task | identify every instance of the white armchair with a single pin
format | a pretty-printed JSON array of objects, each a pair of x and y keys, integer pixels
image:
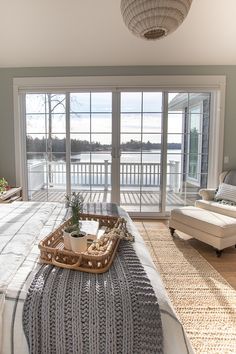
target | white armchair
[{"x": 209, "y": 203}]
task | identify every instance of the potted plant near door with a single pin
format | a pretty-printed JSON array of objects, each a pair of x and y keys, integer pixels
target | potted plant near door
[
  {"x": 3, "y": 185},
  {"x": 74, "y": 238}
]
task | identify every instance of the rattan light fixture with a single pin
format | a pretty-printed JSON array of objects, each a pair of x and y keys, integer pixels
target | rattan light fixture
[{"x": 154, "y": 19}]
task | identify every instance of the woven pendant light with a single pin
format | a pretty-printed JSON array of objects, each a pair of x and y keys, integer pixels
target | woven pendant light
[{"x": 154, "y": 19}]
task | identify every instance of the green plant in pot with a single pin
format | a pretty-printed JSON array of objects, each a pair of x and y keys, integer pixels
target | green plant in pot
[
  {"x": 3, "y": 185},
  {"x": 75, "y": 202}
]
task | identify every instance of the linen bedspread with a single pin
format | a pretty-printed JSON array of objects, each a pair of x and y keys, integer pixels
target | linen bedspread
[{"x": 22, "y": 225}]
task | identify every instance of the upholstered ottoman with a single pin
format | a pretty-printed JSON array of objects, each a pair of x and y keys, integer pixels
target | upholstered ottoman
[{"x": 212, "y": 228}]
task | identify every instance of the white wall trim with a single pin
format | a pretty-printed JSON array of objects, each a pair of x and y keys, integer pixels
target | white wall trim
[
  {"x": 17, "y": 130},
  {"x": 178, "y": 83}
]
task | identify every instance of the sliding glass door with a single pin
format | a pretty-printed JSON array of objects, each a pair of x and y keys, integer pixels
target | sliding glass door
[
  {"x": 146, "y": 150},
  {"x": 46, "y": 146},
  {"x": 141, "y": 148},
  {"x": 68, "y": 145},
  {"x": 90, "y": 144},
  {"x": 187, "y": 152}
]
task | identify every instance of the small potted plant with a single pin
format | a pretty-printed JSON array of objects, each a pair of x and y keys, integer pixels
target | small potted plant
[
  {"x": 3, "y": 185},
  {"x": 74, "y": 201}
]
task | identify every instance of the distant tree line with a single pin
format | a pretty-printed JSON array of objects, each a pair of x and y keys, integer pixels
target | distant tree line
[
  {"x": 133, "y": 145},
  {"x": 56, "y": 145}
]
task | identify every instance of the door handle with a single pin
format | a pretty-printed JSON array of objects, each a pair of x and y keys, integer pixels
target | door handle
[
  {"x": 115, "y": 152},
  {"x": 118, "y": 152}
]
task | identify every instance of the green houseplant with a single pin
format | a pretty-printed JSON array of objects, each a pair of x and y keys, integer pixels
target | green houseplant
[
  {"x": 3, "y": 185},
  {"x": 74, "y": 202}
]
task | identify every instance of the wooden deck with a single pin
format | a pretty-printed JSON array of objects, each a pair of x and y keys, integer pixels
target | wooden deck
[{"x": 130, "y": 200}]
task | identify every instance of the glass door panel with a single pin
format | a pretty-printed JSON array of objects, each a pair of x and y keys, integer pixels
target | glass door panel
[
  {"x": 45, "y": 146},
  {"x": 140, "y": 145},
  {"x": 187, "y": 148},
  {"x": 90, "y": 141}
]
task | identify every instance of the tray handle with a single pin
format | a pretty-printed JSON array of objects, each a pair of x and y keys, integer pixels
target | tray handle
[{"x": 69, "y": 266}]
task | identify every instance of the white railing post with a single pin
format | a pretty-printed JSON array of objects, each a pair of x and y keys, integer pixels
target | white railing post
[
  {"x": 106, "y": 175},
  {"x": 171, "y": 174},
  {"x": 51, "y": 173},
  {"x": 174, "y": 176},
  {"x": 177, "y": 177}
]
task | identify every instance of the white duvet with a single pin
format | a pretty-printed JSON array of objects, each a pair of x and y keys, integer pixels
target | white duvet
[{"x": 22, "y": 225}]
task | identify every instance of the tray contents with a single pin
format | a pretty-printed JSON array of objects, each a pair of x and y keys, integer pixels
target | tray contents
[{"x": 102, "y": 244}]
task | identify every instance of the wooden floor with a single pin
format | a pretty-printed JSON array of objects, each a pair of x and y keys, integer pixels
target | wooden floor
[{"x": 225, "y": 265}]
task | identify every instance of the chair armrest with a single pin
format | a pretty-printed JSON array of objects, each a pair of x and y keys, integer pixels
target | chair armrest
[{"x": 207, "y": 194}]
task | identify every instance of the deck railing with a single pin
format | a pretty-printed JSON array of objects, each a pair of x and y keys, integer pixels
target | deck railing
[{"x": 99, "y": 174}]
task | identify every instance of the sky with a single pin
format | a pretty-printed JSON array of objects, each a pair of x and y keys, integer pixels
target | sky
[{"x": 95, "y": 111}]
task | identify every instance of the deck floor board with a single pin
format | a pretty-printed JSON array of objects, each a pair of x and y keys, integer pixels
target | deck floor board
[{"x": 127, "y": 198}]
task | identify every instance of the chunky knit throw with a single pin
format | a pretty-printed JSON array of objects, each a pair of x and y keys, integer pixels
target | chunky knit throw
[{"x": 70, "y": 312}]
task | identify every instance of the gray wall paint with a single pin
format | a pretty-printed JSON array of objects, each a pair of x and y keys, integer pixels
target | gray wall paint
[{"x": 7, "y": 152}]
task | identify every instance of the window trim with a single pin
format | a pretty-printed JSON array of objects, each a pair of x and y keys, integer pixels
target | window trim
[{"x": 214, "y": 84}]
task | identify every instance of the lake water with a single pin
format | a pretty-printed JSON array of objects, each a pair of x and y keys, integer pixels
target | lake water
[{"x": 152, "y": 156}]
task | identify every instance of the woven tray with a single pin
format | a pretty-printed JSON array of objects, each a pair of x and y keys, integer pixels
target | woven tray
[{"x": 52, "y": 249}]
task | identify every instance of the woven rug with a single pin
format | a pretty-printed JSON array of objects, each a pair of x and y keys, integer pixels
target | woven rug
[{"x": 203, "y": 300}]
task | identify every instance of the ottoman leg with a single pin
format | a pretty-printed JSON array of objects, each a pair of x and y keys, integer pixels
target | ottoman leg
[
  {"x": 172, "y": 230},
  {"x": 218, "y": 253}
]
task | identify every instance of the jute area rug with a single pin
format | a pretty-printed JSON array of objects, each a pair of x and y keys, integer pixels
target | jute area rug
[{"x": 203, "y": 300}]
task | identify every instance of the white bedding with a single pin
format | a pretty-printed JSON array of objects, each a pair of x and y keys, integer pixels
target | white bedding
[{"x": 22, "y": 225}]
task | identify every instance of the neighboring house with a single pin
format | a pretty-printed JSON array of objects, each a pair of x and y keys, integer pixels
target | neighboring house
[{"x": 195, "y": 108}]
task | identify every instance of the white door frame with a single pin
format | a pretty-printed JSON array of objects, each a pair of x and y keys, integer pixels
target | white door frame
[
  {"x": 115, "y": 166},
  {"x": 214, "y": 84}
]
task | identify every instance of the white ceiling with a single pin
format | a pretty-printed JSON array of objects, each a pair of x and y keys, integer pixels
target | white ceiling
[{"x": 92, "y": 33}]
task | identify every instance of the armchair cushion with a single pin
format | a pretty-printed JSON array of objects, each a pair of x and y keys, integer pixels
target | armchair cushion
[
  {"x": 226, "y": 192},
  {"x": 216, "y": 207}
]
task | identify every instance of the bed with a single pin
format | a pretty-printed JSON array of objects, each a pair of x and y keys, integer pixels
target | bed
[{"x": 22, "y": 226}]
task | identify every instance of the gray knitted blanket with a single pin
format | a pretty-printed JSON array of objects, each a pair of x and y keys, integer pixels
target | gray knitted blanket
[{"x": 73, "y": 312}]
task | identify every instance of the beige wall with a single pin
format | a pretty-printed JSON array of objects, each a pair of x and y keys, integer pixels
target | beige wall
[{"x": 7, "y": 155}]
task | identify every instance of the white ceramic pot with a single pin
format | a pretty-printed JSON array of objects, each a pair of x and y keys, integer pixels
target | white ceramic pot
[
  {"x": 78, "y": 243},
  {"x": 66, "y": 236}
]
